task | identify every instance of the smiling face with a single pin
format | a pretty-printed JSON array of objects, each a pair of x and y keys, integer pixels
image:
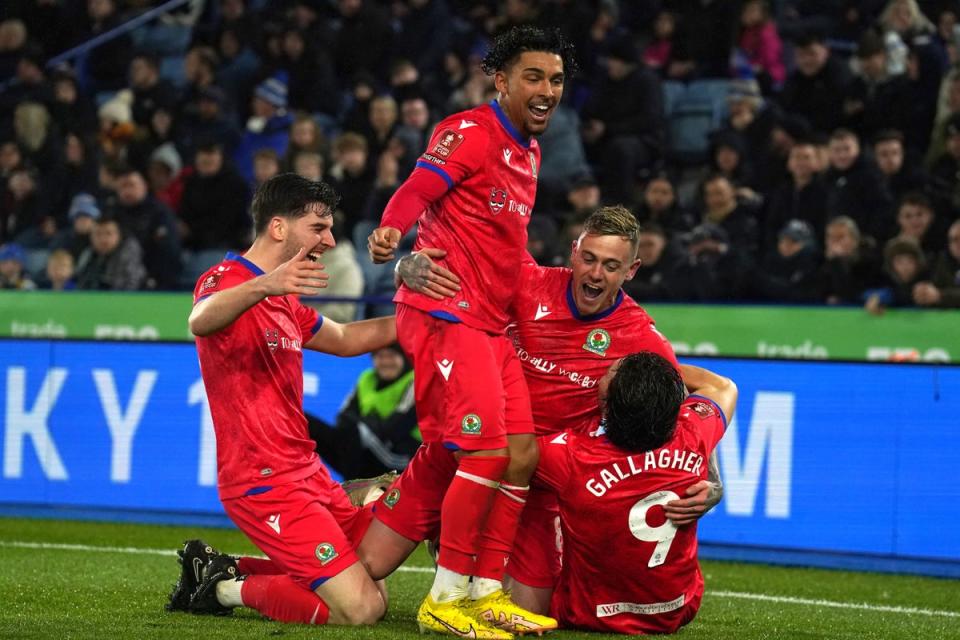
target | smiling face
[
  {"x": 530, "y": 90},
  {"x": 312, "y": 231},
  {"x": 914, "y": 220},
  {"x": 600, "y": 266}
]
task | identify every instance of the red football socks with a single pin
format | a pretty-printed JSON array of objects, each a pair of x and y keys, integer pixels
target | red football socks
[
  {"x": 465, "y": 509},
  {"x": 280, "y": 598},
  {"x": 247, "y": 566},
  {"x": 496, "y": 540}
]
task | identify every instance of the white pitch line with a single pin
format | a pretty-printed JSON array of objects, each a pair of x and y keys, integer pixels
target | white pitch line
[{"x": 61, "y": 546}]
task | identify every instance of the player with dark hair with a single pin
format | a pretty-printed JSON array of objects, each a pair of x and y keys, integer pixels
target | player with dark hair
[
  {"x": 473, "y": 191},
  {"x": 612, "y": 484},
  {"x": 568, "y": 326},
  {"x": 250, "y": 329}
]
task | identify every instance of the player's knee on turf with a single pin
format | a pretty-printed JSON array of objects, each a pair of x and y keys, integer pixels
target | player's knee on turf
[
  {"x": 352, "y": 597},
  {"x": 524, "y": 455}
]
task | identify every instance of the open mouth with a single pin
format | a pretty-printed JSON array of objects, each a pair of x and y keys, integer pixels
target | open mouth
[
  {"x": 590, "y": 292},
  {"x": 540, "y": 112},
  {"x": 314, "y": 255}
]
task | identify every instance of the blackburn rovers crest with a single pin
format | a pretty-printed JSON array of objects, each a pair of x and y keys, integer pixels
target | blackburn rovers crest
[{"x": 598, "y": 341}]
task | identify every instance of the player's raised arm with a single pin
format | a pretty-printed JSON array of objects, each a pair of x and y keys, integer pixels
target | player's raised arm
[
  {"x": 354, "y": 338},
  {"x": 708, "y": 384},
  {"x": 299, "y": 275}
]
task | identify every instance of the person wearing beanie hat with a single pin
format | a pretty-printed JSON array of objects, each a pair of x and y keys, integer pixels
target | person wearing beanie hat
[
  {"x": 904, "y": 266},
  {"x": 13, "y": 273},
  {"x": 268, "y": 127},
  {"x": 376, "y": 429},
  {"x": 165, "y": 176},
  {"x": 876, "y": 100}
]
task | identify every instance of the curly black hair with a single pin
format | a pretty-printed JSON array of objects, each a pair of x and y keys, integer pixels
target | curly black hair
[
  {"x": 643, "y": 402},
  {"x": 289, "y": 195},
  {"x": 510, "y": 44}
]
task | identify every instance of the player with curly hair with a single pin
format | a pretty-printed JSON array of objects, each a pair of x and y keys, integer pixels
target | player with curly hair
[{"x": 472, "y": 191}]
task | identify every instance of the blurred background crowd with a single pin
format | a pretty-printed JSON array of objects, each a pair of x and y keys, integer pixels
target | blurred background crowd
[{"x": 799, "y": 152}]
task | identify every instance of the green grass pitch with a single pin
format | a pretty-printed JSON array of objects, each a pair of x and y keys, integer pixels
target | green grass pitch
[{"x": 53, "y": 585}]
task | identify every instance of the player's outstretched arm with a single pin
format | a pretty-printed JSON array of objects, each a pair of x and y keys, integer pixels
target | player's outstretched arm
[
  {"x": 354, "y": 338},
  {"x": 421, "y": 274},
  {"x": 298, "y": 275},
  {"x": 703, "y": 496}
]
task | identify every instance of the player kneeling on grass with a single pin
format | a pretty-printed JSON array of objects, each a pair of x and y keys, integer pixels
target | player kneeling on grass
[
  {"x": 653, "y": 442},
  {"x": 251, "y": 329}
]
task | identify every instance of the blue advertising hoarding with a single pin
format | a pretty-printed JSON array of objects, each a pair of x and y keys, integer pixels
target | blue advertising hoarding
[{"x": 843, "y": 460}]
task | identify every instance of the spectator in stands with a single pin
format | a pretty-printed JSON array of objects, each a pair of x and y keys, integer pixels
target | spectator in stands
[
  {"x": 312, "y": 78},
  {"x": 943, "y": 288},
  {"x": 30, "y": 83},
  {"x": 361, "y": 21},
  {"x": 166, "y": 176},
  {"x": 267, "y": 128},
  {"x": 376, "y": 430},
  {"x": 346, "y": 277},
  {"x": 415, "y": 118},
  {"x": 760, "y": 44},
  {"x": 943, "y": 39},
  {"x": 25, "y": 211},
  {"x": 582, "y": 196},
  {"x": 945, "y": 172},
  {"x": 562, "y": 158},
  {"x": 80, "y": 170},
  {"x": 308, "y": 164},
  {"x": 948, "y": 105},
  {"x": 788, "y": 273},
  {"x": 381, "y": 126},
  {"x": 623, "y": 122},
  {"x": 200, "y": 71},
  {"x": 817, "y": 87},
  {"x": 803, "y": 197},
  {"x": 653, "y": 280},
  {"x": 13, "y": 38},
  {"x": 238, "y": 62},
  {"x": 899, "y": 177},
  {"x": 106, "y": 65},
  {"x": 71, "y": 108},
  {"x": 84, "y": 212},
  {"x": 13, "y": 274},
  {"x": 661, "y": 206},
  {"x": 903, "y": 267},
  {"x": 150, "y": 91},
  {"x": 855, "y": 188},
  {"x": 39, "y": 142},
  {"x": 904, "y": 26},
  {"x": 350, "y": 176},
  {"x": 305, "y": 135},
  {"x": 728, "y": 157},
  {"x": 710, "y": 269},
  {"x": 876, "y": 99},
  {"x": 658, "y": 54},
  {"x": 207, "y": 119},
  {"x": 738, "y": 220},
  {"x": 266, "y": 164},
  {"x": 917, "y": 221},
  {"x": 705, "y": 36},
  {"x": 113, "y": 261},
  {"x": 424, "y": 35},
  {"x": 116, "y": 127},
  {"x": 753, "y": 120},
  {"x": 213, "y": 212},
  {"x": 151, "y": 227},
  {"x": 851, "y": 266},
  {"x": 59, "y": 271}
]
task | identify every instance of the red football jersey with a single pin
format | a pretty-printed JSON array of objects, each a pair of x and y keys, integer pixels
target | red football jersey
[
  {"x": 481, "y": 221},
  {"x": 253, "y": 373},
  {"x": 626, "y": 569},
  {"x": 564, "y": 354}
]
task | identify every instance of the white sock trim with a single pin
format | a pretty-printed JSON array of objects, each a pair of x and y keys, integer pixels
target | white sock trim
[
  {"x": 478, "y": 479},
  {"x": 511, "y": 487},
  {"x": 511, "y": 496}
]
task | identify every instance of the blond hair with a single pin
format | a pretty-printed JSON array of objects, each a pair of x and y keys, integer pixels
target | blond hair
[{"x": 615, "y": 220}]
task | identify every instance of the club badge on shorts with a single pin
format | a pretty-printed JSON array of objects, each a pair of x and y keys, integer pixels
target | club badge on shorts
[
  {"x": 471, "y": 424},
  {"x": 325, "y": 553},
  {"x": 598, "y": 341},
  {"x": 392, "y": 498}
]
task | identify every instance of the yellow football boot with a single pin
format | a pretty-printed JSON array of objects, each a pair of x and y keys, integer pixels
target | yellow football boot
[
  {"x": 498, "y": 609},
  {"x": 455, "y": 619}
]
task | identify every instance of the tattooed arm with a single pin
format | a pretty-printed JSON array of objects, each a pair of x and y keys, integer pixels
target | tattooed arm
[{"x": 420, "y": 273}]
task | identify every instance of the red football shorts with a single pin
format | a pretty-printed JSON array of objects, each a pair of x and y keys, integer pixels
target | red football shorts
[
  {"x": 535, "y": 559},
  {"x": 411, "y": 506},
  {"x": 468, "y": 384},
  {"x": 307, "y": 527}
]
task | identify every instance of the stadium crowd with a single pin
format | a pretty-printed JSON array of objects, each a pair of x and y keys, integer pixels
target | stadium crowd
[{"x": 795, "y": 151}]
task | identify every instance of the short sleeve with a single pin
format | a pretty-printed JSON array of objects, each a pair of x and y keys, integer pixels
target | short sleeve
[
  {"x": 217, "y": 279},
  {"x": 707, "y": 416},
  {"x": 457, "y": 149},
  {"x": 308, "y": 319},
  {"x": 553, "y": 469}
]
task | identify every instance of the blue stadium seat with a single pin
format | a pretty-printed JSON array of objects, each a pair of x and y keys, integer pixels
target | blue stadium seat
[
  {"x": 36, "y": 264},
  {"x": 171, "y": 68}
]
